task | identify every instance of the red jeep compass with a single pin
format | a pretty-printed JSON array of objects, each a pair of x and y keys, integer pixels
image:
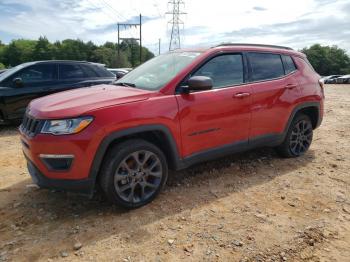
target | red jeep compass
[{"x": 173, "y": 111}]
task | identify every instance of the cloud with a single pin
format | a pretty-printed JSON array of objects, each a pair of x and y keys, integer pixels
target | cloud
[
  {"x": 259, "y": 8},
  {"x": 281, "y": 22}
]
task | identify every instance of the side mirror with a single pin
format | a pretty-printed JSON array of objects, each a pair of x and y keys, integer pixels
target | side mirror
[
  {"x": 199, "y": 83},
  {"x": 17, "y": 82},
  {"x": 120, "y": 75}
]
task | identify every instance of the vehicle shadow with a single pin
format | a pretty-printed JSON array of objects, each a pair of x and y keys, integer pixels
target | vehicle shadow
[{"x": 60, "y": 215}]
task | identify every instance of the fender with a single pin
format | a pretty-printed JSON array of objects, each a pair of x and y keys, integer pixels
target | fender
[{"x": 106, "y": 142}]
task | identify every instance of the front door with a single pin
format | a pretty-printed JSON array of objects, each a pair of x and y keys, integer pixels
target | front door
[
  {"x": 218, "y": 117},
  {"x": 36, "y": 81}
]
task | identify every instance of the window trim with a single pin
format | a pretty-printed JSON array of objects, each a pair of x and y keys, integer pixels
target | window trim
[{"x": 206, "y": 60}]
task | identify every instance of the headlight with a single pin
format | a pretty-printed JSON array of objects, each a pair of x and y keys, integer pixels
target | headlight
[{"x": 66, "y": 126}]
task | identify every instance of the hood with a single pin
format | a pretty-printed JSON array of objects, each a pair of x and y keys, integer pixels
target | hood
[{"x": 79, "y": 101}]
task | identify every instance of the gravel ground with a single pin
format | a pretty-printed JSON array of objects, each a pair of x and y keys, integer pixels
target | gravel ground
[{"x": 247, "y": 207}]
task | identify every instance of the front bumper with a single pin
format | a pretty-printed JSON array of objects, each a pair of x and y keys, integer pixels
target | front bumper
[{"x": 83, "y": 186}]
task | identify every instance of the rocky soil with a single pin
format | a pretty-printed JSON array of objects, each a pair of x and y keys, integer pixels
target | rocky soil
[{"x": 247, "y": 207}]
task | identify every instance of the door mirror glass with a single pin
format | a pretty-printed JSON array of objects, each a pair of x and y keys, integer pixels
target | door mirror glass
[
  {"x": 199, "y": 83},
  {"x": 17, "y": 82}
]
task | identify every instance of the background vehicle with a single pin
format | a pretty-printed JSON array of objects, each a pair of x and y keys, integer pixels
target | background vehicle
[
  {"x": 173, "y": 111},
  {"x": 119, "y": 72},
  {"x": 2, "y": 71},
  {"x": 343, "y": 80},
  {"x": 329, "y": 79},
  {"x": 21, "y": 84}
]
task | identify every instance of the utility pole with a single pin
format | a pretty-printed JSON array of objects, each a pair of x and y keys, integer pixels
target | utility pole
[
  {"x": 175, "y": 12},
  {"x": 159, "y": 46},
  {"x": 128, "y": 25}
]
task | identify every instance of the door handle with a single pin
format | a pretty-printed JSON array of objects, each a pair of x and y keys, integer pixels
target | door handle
[
  {"x": 291, "y": 86},
  {"x": 241, "y": 95}
]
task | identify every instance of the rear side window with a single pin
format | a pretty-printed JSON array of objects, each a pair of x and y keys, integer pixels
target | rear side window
[
  {"x": 224, "y": 70},
  {"x": 288, "y": 63},
  {"x": 265, "y": 66},
  {"x": 69, "y": 71},
  {"x": 101, "y": 71},
  {"x": 89, "y": 72}
]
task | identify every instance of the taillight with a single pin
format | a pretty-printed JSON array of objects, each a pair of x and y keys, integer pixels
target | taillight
[{"x": 322, "y": 87}]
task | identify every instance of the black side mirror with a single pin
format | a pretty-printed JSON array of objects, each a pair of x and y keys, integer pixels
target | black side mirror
[
  {"x": 199, "y": 83},
  {"x": 120, "y": 75},
  {"x": 17, "y": 82}
]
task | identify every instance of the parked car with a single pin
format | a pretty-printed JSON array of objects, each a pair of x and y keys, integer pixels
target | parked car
[
  {"x": 119, "y": 72},
  {"x": 343, "y": 80},
  {"x": 2, "y": 71},
  {"x": 20, "y": 84},
  {"x": 173, "y": 111},
  {"x": 329, "y": 79}
]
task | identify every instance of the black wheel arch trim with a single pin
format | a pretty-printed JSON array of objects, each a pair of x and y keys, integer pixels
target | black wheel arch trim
[
  {"x": 110, "y": 138},
  {"x": 303, "y": 106}
]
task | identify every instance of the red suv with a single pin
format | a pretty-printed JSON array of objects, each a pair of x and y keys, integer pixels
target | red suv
[{"x": 178, "y": 109}]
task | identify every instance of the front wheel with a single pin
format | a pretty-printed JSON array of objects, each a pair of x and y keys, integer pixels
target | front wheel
[
  {"x": 133, "y": 173},
  {"x": 298, "y": 138}
]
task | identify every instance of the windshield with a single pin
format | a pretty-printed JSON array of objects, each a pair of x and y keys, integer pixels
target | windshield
[
  {"x": 12, "y": 70},
  {"x": 155, "y": 73}
]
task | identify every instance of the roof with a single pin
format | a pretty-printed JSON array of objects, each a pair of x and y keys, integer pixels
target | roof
[
  {"x": 256, "y": 45},
  {"x": 66, "y": 61},
  {"x": 245, "y": 47}
]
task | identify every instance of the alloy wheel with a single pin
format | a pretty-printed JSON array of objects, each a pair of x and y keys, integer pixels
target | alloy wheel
[
  {"x": 301, "y": 137},
  {"x": 138, "y": 176}
]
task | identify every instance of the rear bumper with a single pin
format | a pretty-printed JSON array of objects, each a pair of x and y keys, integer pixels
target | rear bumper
[{"x": 83, "y": 186}]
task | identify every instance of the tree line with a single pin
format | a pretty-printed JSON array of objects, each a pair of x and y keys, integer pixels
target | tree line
[
  {"x": 23, "y": 50},
  {"x": 327, "y": 60}
]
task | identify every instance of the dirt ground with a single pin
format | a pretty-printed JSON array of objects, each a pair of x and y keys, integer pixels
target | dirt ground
[{"x": 247, "y": 207}]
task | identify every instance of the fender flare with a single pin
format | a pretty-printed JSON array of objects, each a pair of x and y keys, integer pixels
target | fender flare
[
  {"x": 300, "y": 107},
  {"x": 108, "y": 140}
]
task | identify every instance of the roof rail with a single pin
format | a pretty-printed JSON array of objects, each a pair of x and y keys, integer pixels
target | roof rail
[{"x": 257, "y": 45}]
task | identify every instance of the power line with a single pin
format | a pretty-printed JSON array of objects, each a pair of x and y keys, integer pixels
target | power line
[{"x": 176, "y": 12}]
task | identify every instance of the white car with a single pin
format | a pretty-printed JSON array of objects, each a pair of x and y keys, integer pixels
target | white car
[
  {"x": 343, "y": 79},
  {"x": 329, "y": 79}
]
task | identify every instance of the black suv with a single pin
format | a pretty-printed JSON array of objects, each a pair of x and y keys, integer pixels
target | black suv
[{"x": 21, "y": 84}]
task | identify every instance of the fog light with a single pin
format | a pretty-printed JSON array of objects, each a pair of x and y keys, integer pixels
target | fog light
[{"x": 57, "y": 162}]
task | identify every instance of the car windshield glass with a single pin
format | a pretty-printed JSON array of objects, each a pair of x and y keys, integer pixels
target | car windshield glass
[
  {"x": 155, "y": 73},
  {"x": 12, "y": 70}
]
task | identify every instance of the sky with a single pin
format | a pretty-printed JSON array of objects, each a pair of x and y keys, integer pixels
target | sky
[{"x": 297, "y": 23}]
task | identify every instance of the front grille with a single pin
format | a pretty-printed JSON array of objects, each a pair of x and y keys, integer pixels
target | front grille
[{"x": 31, "y": 126}]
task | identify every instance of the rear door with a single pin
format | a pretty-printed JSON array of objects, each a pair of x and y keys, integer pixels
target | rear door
[
  {"x": 275, "y": 90},
  {"x": 37, "y": 80},
  {"x": 217, "y": 117}
]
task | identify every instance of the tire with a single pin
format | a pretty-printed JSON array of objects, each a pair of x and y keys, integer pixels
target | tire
[
  {"x": 133, "y": 173},
  {"x": 298, "y": 138}
]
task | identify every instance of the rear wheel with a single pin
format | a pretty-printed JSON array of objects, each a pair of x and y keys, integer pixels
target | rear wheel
[
  {"x": 133, "y": 173},
  {"x": 298, "y": 138}
]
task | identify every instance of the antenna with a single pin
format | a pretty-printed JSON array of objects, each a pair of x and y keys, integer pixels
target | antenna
[{"x": 175, "y": 11}]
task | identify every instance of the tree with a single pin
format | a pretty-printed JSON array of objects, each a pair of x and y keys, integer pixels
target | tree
[
  {"x": 328, "y": 60},
  {"x": 22, "y": 50},
  {"x": 42, "y": 49}
]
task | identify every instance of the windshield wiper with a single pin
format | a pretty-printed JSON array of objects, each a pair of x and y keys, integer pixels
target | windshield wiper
[{"x": 126, "y": 84}]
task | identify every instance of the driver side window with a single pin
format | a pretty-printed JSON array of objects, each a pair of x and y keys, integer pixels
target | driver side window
[
  {"x": 37, "y": 73},
  {"x": 224, "y": 70}
]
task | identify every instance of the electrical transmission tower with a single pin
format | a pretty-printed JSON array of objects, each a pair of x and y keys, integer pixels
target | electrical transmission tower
[{"x": 175, "y": 12}]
